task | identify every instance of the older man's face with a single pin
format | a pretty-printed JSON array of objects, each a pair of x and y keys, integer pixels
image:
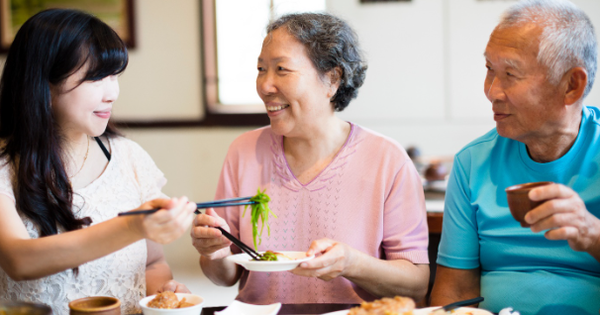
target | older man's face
[{"x": 526, "y": 106}]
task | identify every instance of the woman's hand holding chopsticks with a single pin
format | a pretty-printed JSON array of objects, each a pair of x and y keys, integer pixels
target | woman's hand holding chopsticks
[
  {"x": 207, "y": 240},
  {"x": 163, "y": 226},
  {"x": 213, "y": 248}
]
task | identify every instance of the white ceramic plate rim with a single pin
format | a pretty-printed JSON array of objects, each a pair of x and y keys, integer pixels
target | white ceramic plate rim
[
  {"x": 478, "y": 311},
  {"x": 237, "y": 307},
  {"x": 424, "y": 311},
  {"x": 246, "y": 261},
  {"x": 144, "y": 302}
]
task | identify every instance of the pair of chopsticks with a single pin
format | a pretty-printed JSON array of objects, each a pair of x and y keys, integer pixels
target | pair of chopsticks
[
  {"x": 202, "y": 205},
  {"x": 247, "y": 249}
]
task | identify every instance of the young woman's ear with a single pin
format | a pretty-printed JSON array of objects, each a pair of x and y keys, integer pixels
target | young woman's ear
[{"x": 576, "y": 82}]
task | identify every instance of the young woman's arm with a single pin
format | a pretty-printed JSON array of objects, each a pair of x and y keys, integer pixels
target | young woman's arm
[
  {"x": 158, "y": 273},
  {"x": 24, "y": 258}
]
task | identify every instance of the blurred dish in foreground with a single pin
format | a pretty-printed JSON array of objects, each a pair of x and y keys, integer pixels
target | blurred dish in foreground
[
  {"x": 427, "y": 311},
  {"x": 237, "y": 308}
]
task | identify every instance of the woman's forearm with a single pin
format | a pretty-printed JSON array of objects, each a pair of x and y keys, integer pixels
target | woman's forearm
[
  {"x": 158, "y": 271},
  {"x": 389, "y": 277},
  {"x": 25, "y": 259},
  {"x": 220, "y": 271}
]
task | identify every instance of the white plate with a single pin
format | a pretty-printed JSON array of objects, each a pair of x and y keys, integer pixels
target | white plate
[
  {"x": 458, "y": 311},
  {"x": 269, "y": 266},
  {"x": 426, "y": 311},
  {"x": 241, "y": 308}
]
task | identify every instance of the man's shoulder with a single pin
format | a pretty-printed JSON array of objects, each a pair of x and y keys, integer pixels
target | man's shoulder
[
  {"x": 482, "y": 144},
  {"x": 592, "y": 114}
]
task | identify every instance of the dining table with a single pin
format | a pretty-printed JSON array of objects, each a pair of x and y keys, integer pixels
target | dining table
[{"x": 296, "y": 309}]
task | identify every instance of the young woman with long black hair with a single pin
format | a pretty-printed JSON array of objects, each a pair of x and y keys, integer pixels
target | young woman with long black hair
[{"x": 65, "y": 173}]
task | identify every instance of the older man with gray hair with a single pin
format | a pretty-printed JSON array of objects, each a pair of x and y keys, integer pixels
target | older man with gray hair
[{"x": 541, "y": 61}]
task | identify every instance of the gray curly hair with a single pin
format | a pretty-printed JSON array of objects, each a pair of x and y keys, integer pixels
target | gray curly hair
[
  {"x": 331, "y": 44},
  {"x": 567, "y": 40}
]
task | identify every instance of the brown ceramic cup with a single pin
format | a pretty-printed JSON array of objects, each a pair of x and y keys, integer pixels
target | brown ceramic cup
[
  {"x": 95, "y": 305},
  {"x": 519, "y": 202}
]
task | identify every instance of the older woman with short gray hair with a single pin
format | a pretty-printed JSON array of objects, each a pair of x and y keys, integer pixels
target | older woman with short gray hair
[{"x": 341, "y": 192}]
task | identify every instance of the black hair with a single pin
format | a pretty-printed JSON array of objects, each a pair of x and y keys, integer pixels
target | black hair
[
  {"x": 331, "y": 43},
  {"x": 47, "y": 49}
]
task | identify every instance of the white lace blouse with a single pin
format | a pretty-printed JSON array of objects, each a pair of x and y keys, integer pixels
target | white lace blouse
[{"x": 130, "y": 179}]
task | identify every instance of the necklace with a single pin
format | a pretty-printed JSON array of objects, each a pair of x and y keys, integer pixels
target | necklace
[{"x": 84, "y": 158}]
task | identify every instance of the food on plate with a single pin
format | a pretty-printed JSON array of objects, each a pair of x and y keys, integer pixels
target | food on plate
[
  {"x": 168, "y": 300},
  {"x": 398, "y": 305},
  {"x": 269, "y": 256},
  {"x": 259, "y": 210}
]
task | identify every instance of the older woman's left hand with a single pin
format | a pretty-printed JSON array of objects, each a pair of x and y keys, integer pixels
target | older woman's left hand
[
  {"x": 174, "y": 286},
  {"x": 332, "y": 260},
  {"x": 566, "y": 217}
]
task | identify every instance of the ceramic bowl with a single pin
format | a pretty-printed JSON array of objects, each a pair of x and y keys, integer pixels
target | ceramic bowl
[
  {"x": 95, "y": 305},
  {"x": 24, "y": 308},
  {"x": 519, "y": 202},
  {"x": 191, "y": 310}
]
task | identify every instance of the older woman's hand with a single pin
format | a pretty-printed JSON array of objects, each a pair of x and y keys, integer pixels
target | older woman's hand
[
  {"x": 565, "y": 217},
  {"x": 168, "y": 224},
  {"x": 332, "y": 260},
  {"x": 208, "y": 241}
]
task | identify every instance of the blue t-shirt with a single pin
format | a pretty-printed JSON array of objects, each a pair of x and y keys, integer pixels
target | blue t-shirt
[{"x": 519, "y": 268}]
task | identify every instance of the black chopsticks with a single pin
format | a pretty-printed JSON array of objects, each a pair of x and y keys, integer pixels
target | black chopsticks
[
  {"x": 468, "y": 302},
  {"x": 247, "y": 249},
  {"x": 202, "y": 205}
]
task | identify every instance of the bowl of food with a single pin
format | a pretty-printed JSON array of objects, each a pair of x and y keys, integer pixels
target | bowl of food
[
  {"x": 24, "y": 308},
  {"x": 169, "y": 303}
]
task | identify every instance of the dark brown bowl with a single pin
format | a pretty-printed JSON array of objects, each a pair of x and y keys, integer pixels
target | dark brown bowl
[
  {"x": 519, "y": 202},
  {"x": 95, "y": 305},
  {"x": 24, "y": 308}
]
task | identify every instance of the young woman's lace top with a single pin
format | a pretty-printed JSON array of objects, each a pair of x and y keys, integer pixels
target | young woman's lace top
[{"x": 130, "y": 179}]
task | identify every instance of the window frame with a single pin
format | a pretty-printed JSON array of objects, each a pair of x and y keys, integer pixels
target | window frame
[{"x": 215, "y": 114}]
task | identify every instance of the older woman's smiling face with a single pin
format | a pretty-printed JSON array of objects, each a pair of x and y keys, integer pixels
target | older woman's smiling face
[{"x": 295, "y": 96}]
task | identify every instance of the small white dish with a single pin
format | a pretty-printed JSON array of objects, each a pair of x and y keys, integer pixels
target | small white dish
[
  {"x": 295, "y": 258},
  {"x": 191, "y": 310},
  {"x": 241, "y": 308},
  {"x": 457, "y": 311}
]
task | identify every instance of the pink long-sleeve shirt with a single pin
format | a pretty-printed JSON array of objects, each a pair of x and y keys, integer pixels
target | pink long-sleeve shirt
[{"x": 370, "y": 197}]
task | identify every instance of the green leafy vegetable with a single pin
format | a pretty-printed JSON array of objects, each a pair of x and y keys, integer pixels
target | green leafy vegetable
[
  {"x": 268, "y": 256},
  {"x": 259, "y": 210}
]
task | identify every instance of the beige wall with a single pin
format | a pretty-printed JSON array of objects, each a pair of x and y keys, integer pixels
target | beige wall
[{"x": 423, "y": 87}]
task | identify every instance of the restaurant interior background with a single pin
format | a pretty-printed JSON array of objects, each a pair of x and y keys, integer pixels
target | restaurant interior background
[{"x": 424, "y": 88}]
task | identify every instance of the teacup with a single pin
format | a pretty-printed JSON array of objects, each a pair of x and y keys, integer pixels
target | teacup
[
  {"x": 519, "y": 202},
  {"x": 95, "y": 305}
]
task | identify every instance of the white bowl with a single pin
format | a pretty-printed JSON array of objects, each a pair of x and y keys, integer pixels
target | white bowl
[{"x": 190, "y": 298}]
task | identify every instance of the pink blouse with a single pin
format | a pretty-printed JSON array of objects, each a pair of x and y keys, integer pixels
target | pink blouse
[{"x": 370, "y": 197}]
